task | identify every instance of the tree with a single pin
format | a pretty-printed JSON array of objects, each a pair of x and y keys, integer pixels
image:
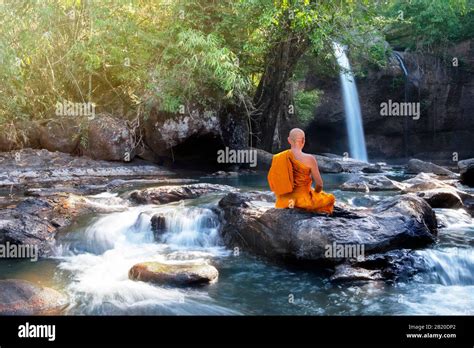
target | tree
[{"x": 297, "y": 26}]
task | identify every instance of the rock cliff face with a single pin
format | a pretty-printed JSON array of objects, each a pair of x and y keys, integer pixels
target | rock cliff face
[
  {"x": 445, "y": 93},
  {"x": 194, "y": 136}
]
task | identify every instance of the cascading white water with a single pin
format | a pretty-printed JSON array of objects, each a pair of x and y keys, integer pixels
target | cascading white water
[
  {"x": 355, "y": 129},
  {"x": 100, "y": 256},
  {"x": 191, "y": 227},
  {"x": 401, "y": 63},
  {"x": 452, "y": 263},
  {"x": 451, "y": 266}
]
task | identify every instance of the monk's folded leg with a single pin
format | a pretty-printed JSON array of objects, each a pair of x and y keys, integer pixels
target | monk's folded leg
[{"x": 322, "y": 202}]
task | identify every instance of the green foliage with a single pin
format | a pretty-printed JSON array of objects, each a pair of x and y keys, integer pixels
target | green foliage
[
  {"x": 196, "y": 67},
  {"x": 422, "y": 24},
  {"x": 305, "y": 103},
  {"x": 125, "y": 55},
  {"x": 77, "y": 51}
]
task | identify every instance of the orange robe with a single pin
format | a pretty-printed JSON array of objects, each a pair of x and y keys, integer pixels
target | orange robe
[{"x": 291, "y": 181}]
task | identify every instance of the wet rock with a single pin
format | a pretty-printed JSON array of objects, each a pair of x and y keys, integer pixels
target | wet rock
[
  {"x": 174, "y": 273},
  {"x": 438, "y": 193},
  {"x": 347, "y": 273},
  {"x": 158, "y": 225},
  {"x": 425, "y": 181},
  {"x": 252, "y": 223},
  {"x": 441, "y": 198},
  {"x": 222, "y": 173},
  {"x": 35, "y": 221},
  {"x": 364, "y": 183},
  {"x": 173, "y": 193},
  {"x": 466, "y": 169},
  {"x": 416, "y": 166},
  {"x": 26, "y": 224},
  {"x": 375, "y": 168},
  {"x": 20, "y": 297},
  {"x": 399, "y": 264}
]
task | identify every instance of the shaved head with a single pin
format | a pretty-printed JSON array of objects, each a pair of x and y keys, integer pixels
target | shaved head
[
  {"x": 296, "y": 138},
  {"x": 296, "y": 133}
]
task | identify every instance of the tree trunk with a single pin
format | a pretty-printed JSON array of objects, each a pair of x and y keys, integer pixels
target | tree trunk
[{"x": 273, "y": 98}]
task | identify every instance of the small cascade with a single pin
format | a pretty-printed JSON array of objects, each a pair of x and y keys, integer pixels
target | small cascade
[
  {"x": 450, "y": 266},
  {"x": 99, "y": 257},
  {"x": 191, "y": 227}
]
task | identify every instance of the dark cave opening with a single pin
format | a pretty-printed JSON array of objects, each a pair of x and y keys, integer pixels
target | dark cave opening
[{"x": 198, "y": 152}]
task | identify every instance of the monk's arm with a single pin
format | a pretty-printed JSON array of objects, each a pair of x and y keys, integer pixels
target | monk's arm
[{"x": 318, "y": 181}]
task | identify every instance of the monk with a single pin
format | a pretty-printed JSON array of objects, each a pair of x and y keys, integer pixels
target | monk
[{"x": 291, "y": 176}]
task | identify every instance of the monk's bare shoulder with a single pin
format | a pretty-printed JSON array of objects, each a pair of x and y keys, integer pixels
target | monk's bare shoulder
[{"x": 310, "y": 160}]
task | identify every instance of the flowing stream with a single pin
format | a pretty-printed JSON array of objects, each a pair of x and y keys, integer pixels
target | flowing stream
[{"x": 94, "y": 256}]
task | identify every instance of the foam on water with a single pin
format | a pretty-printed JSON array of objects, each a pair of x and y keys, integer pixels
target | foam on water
[{"x": 115, "y": 242}]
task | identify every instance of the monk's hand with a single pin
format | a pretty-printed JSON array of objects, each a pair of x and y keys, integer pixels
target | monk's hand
[
  {"x": 318, "y": 188},
  {"x": 291, "y": 204}
]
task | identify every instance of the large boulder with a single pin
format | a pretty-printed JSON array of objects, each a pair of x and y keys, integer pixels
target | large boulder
[
  {"x": 264, "y": 159},
  {"x": 328, "y": 165},
  {"x": 252, "y": 223},
  {"x": 21, "y": 297},
  {"x": 8, "y": 140},
  {"x": 109, "y": 139},
  {"x": 365, "y": 183},
  {"x": 466, "y": 169},
  {"x": 60, "y": 135},
  {"x": 29, "y": 224},
  {"x": 34, "y": 222},
  {"x": 163, "y": 131},
  {"x": 439, "y": 193},
  {"x": 174, "y": 273},
  {"x": 416, "y": 166},
  {"x": 425, "y": 181},
  {"x": 14, "y": 136},
  {"x": 173, "y": 193}
]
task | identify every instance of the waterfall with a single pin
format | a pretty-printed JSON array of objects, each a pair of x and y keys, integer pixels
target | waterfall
[
  {"x": 405, "y": 122},
  {"x": 355, "y": 129},
  {"x": 401, "y": 63}
]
